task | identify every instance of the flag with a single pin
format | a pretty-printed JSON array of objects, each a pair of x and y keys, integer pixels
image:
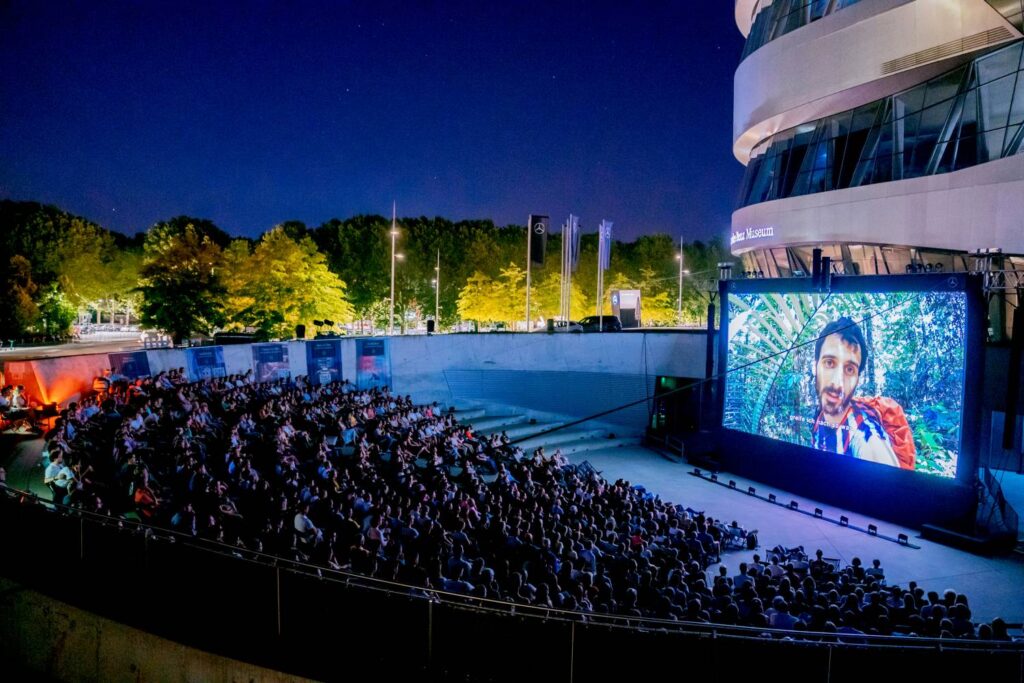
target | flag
[
  {"x": 538, "y": 227},
  {"x": 604, "y": 245},
  {"x": 574, "y": 235}
]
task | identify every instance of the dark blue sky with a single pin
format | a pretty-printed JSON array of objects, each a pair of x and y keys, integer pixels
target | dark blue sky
[{"x": 254, "y": 113}]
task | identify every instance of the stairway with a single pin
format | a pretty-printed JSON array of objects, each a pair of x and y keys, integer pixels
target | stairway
[{"x": 529, "y": 433}]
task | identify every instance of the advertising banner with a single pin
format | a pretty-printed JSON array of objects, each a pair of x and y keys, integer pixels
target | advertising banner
[
  {"x": 323, "y": 360},
  {"x": 132, "y": 365},
  {"x": 373, "y": 363},
  {"x": 270, "y": 362},
  {"x": 205, "y": 363}
]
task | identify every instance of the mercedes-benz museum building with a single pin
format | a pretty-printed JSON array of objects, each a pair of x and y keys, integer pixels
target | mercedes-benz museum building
[{"x": 888, "y": 133}]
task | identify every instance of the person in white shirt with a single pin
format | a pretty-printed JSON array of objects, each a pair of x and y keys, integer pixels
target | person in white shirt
[{"x": 58, "y": 476}]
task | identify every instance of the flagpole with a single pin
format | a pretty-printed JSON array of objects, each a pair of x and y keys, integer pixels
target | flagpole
[
  {"x": 561, "y": 283},
  {"x": 529, "y": 258},
  {"x": 600, "y": 277}
]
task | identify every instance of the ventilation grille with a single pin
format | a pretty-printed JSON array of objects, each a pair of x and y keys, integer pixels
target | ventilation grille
[{"x": 953, "y": 47}]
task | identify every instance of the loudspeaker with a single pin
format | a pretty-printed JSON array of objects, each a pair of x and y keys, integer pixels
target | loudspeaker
[
  {"x": 816, "y": 267},
  {"x": 551, "y": 324},
  {"x": 300, "y": 331},
  {"x": 430, "y": 326}
]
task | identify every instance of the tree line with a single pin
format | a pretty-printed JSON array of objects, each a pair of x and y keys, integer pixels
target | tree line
[{"x": 187, "y": 276}]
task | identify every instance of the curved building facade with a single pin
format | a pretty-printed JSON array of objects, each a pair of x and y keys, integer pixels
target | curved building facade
[{"x": 888, "y": 133}]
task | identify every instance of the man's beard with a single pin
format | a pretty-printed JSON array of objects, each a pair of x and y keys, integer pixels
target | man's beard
[{"x": 833, "y": 402}]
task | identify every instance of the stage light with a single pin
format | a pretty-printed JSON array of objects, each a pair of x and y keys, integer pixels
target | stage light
[
  {"x": 318, "y": 323},
  {"x": 751, "y": 490},
  {"x": 872, "y": 530},
  {"x": 329, "y": 323},
  {"x": 714, "y": 477},
  {"x": 732, "y": 483},
  {"x": 771, "y": 497},
  {"x": 818, "y": 513},
  {"x": 903, "y": 539},
  {"x": 844, "y": 520},
  {"x": 793, "y": 505},
  {"x": 696, "y": 472}
]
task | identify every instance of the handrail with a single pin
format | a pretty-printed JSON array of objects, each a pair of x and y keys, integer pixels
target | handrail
[{"x": 459, "y": 601}]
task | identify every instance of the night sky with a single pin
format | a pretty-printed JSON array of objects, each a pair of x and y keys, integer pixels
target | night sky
[{"x": 254, "y": 113}]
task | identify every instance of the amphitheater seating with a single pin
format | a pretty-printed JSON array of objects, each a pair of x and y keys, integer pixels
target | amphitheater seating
[{"x": 414, "y": 496}]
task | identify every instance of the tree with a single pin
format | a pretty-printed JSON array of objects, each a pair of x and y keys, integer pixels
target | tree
[
  {"x": 18, "y": 310},
  {"x": 358, "y": 250},
  {"x": 283, "y": 283},
  {"x": 180, "y": 283},
  {"x": 56, "y": 314},
  {"x": 546, "y": 298},
  {"x": 476, "y": 300},
  {"x": 510, "y": 295},
  {"x": 236, "y": 275}
]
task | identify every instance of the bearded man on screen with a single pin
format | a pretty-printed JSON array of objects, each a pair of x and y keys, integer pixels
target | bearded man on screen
[{"x": 872, "y": 429}]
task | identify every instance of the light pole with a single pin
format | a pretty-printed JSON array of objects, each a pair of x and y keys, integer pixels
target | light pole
[
  {"x": 391, "y": 303},
  {"x": 437, "y": 293},
  {"x": 679, "y": 301},
  {"x": 399, "y": 257}
]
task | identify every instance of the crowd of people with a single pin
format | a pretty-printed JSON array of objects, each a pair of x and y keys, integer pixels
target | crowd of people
[
  {"x": 366, "y": 481},
  {"x": 17, "y": 408}
]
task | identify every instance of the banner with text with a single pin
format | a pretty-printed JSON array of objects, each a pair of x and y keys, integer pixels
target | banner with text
[
  {"x": 373, "y": 363},
  {"x": 205, "y": 363},
  {"x": 270, "y": 362},
  {"x": 132, "y": 365},
  {"x": 323, "y": 360}
]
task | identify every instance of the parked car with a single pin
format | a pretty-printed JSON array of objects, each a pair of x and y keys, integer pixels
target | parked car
[
  {"x": 563, "y": 326},
  {"x": 604, "y": 323}
]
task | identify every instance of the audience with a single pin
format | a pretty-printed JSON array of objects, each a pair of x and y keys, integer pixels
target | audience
[{"x": 366, "y": 481}]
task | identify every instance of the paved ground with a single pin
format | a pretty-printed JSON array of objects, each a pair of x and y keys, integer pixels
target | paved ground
[{"x": 99, "y": 344}]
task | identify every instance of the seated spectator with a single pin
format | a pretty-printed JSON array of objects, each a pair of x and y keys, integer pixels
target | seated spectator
[{"x": 147, "y": 504}]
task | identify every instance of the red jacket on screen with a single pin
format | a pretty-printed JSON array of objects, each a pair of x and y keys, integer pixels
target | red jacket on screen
[{"x": 894, "y": 421}]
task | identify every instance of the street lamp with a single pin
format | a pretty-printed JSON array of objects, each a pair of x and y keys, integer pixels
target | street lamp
[
  {"x": 391, "y": 303},
  {"x": 679, "y": 302},
  {"x": 437, "y": 293}
]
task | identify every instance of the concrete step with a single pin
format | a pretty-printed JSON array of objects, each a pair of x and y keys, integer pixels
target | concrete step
[
  {"x": 490, "y": 424},
  {"x": 469, "y": 414},
  {"x": 584, "y": 446},
  {"x": 526, "y": 430},
  {"x": 553, "y": 440}
]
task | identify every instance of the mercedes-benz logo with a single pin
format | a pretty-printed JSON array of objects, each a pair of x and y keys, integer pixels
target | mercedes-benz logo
[{"x": 538, "y": 228}]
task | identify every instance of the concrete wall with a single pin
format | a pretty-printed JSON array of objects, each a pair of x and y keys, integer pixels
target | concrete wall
[
  {"x": 52, "y": 640},
  {"x": 570, "y": 374}
]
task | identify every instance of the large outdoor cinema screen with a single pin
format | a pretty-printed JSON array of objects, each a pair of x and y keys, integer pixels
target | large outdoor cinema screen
[{"x": 874, "y": 376}]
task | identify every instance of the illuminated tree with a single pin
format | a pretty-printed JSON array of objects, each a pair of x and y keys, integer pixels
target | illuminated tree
[
  {"x": 283, "y": 283},
  {"x": 56, "y": 314},
  {"x": 476, "y": 300},
  {"x": 546, "y": 298},
  {"x": 181, "y": 287},
  {"x": 18, "y": 310}
]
